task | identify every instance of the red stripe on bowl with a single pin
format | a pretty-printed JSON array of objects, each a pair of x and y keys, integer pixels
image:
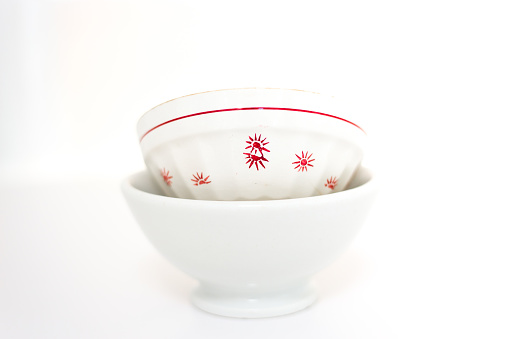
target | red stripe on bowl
[{"x": 248, "y": 109}]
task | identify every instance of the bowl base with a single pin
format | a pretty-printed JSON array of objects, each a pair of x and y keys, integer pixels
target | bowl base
[{"x": 240, "y": 305}]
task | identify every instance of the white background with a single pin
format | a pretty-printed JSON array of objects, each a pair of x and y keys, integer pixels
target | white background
[{"x": 429, "y": 80}]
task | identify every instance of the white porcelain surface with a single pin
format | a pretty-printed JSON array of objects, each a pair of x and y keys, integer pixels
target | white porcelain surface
[
  {"x": 252, "y": 258},
  {"x": 251, "y": 144}
]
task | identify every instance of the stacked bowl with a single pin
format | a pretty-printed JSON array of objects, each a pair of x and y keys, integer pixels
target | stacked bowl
[{"x": 251, "y": 192}]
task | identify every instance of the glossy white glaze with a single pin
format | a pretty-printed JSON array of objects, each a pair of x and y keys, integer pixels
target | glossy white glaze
[{"x": 252, "y": 258}]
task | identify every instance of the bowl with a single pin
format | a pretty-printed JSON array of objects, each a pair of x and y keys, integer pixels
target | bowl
[
  {"x": 251, "y": 258},
  {"x": 250, "y": 144}
]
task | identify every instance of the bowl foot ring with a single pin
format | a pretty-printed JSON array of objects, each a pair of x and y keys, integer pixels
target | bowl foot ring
[{"x": 248, "y": 305}]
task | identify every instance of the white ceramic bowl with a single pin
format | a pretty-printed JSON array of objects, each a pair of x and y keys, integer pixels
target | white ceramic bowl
[
  {"x": 250, "y": 144},
  {"x": 251, "y": 258}
]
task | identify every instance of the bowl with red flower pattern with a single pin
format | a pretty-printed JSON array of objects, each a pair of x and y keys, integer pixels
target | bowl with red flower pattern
[{"x": 251, "y": 144}]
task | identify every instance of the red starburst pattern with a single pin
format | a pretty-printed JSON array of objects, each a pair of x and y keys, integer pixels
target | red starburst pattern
[
  {"x": 256, "y": 160},
  {"x": 303, "y": 162},
  {"x": 199, "y": 180},
  {"x": 166, "y": 176},
  {"x": 257, "y": 145},
  {"x": 331, "y": 183},
  {"x": 256, "y": 148}
]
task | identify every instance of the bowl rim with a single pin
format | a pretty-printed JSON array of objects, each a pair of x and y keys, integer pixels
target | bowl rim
[
  {"x": 232, "y": 89},
  {"x": 370, "y": 185},
  {"x": 142, "y": 133}
]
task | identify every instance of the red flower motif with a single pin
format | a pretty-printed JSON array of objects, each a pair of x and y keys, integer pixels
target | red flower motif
[
  {"x": 331, "y": 183},
  {"x": 257, "y": 145},
  {"x": 256, "y": 148},
  {"x": 254, "y": 159},
  {"x": 199, "y": 180},
  {"x": 166, "y": 176},
  {"x": 303, "y": 162}
]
